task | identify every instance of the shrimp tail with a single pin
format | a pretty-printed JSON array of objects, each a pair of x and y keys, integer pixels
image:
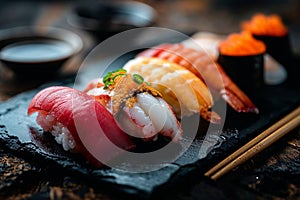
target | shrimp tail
[
  {"x": 238, "y": 100},
  {"x": 210, "y": 116}
]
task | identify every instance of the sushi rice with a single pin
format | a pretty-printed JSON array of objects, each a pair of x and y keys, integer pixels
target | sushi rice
[{"x": 61, "y": 133}]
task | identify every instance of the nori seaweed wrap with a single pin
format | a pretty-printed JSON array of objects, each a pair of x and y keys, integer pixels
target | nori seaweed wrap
[
  {"x": 271, "y": 30},
  {"x": 242, "y": 57}
]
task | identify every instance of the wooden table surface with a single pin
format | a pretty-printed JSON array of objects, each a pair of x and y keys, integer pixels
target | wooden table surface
[{"x": 248, "y": 181}]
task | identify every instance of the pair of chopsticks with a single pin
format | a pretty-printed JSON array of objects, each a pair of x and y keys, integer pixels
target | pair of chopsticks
[{"x": 256, "y": 145}]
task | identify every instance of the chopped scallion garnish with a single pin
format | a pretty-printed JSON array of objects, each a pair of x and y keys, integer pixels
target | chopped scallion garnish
[
  {"x": 110, "y": 77},
  {"x": 138, "y": 78}
]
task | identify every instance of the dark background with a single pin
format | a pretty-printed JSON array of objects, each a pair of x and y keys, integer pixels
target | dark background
[{"x": 273, "y": 174}]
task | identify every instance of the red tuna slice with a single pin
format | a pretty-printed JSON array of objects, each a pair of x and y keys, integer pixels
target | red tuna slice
[{"x": 93, "y": 128}]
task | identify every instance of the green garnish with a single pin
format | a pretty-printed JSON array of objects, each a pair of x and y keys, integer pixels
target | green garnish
[
  {"x": 137, "y": 78},
  {"x": 116, "y": 76},
  {"x": 110, "y": 77},
  {"x": 107, "y": 76}
]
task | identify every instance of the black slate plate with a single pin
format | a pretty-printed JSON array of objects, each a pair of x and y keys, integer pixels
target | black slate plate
[{"x": 20, "y": 134}]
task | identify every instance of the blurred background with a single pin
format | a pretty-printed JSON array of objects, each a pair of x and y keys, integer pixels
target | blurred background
[{"x": 184, "y": 15}]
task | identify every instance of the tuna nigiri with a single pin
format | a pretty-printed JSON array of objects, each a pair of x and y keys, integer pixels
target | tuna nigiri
[{"x": 79, "y": 123}]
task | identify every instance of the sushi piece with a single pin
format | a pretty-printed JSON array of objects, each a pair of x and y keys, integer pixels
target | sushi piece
[
  {"x": 241, "y": 44},
  {"x": 199, "y": 63},
  {"x": 139, "y": 109},
  {"x": 274, "y": 72},
  {"x": 271, "y": 30},
  {"x": 191, "y": 94},
  {"x": 79, "y": 123},
  {"x": 242, "y": 58},
  {"x": 205, "y": 42},
  {"x": 265, "y": 25}
]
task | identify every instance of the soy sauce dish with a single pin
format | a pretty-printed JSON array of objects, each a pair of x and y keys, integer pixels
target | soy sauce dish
[{"x": 37, "y": 51}]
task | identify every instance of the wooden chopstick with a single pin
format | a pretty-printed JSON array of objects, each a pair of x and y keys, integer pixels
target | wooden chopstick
[{"x": 263, "y": 140}]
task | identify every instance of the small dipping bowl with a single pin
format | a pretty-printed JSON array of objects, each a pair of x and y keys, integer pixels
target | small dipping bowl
[
  {"x": 37, "y": 51},
  {"x": 104, "y": 19}
]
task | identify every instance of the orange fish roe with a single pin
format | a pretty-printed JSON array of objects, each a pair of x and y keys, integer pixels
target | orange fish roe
[
  {"x": 261, "y": 24},
  {"x": 241, "y": 44}
]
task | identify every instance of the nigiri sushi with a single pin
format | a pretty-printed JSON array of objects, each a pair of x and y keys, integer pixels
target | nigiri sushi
[
  {"x": 192, "y": 94},
  {"x": 205, "y": 68},
  {"x": 79, "y": 123},
  {"x": 139, "y": 109},
  {"x": 205, "y": 42}
]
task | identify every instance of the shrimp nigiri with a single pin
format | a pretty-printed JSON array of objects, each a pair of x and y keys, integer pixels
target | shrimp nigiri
[
  {"x": 192, "y": 94},
  {"x": 207, "y": 70}
]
